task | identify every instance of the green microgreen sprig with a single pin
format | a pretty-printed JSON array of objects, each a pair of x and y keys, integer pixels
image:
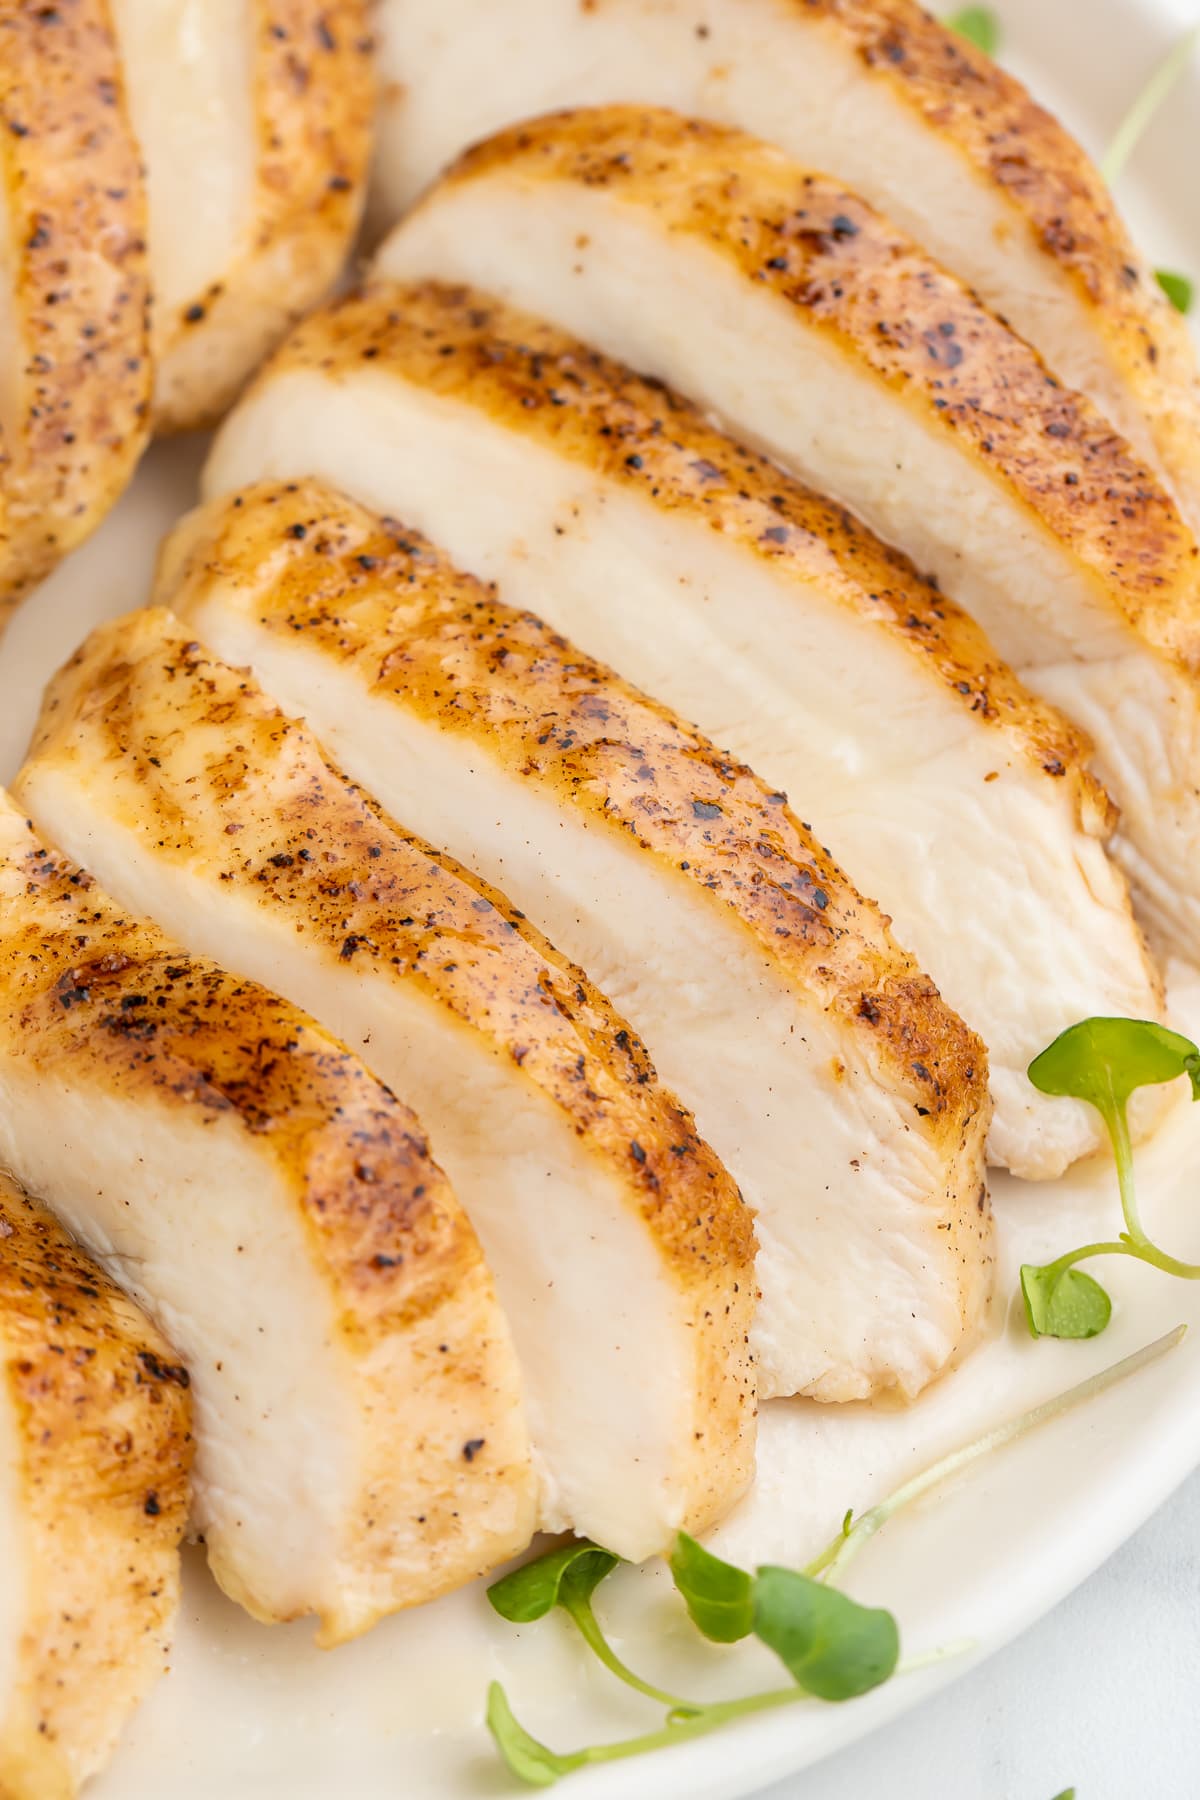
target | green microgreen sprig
[
  {"x": 1104, "y": 1061},
  {"x": 832, "y": 1647},
  {"x": 568, "y": 1577}
]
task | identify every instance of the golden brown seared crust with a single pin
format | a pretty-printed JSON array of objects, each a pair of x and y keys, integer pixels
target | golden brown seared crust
[
  {"x": 904, "y": 319},
  {"x": 108, "y": 1008},
  {"x": 85, "y": 986},
  {"x": 313, "y": 105},
  {"x": 103, "y": 1421},
  {"x": 1053, "y": 187},
  {"x": 372, "y": 893},
  {"x": 543, "y": 384},
  {"x": 76, "y": 222},
  {"x": 371, "y": 593}
]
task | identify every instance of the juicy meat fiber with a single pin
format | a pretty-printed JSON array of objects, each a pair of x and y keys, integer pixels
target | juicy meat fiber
[
  {"x": 824, "y": 337},
  {"x": 75, "y": 370},
  {"x": 612, "y": 509},
  {"x": 876, "y": 93},
  {"x": 95, "y": 1450},
  {"x": 283, "y": 1222},
  {"x": 622, "y": 1252},
  {"x": 844, "y": 1096},
  {"x": 254, "y": 121}
]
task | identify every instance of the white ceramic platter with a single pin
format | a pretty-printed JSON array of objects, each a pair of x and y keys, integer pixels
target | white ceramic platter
[{"x": 248, "y": 1712}]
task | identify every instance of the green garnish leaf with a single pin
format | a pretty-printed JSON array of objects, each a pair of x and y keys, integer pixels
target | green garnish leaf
[
  {"x": 979, "y": 25},
  {"x": 568, "y": 1577},
  {"x": 1063, "y": 1303},
  {"x": 830, "y": 1645},
  {"x": 719, "y": 1597},
  {"x": 529, "y": 1761},
  {"x": 1177, "y": 288},
  {"x": 1104, "y": 1060},
  {"x": 571, "y": 1573},
  {"x": 833, "y": 1648}
]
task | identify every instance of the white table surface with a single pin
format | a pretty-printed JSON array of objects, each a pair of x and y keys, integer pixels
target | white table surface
[{"x": 1103, "y": 1694}]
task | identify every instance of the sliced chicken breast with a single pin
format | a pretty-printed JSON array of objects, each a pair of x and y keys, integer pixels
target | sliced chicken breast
[
  {"x": 360, "y": 1443},
  {"x": 877, "y": 94},
  {"x": 826, "y": 339},
  {"x": 622, "y": 1252},
  {"x": 95, "y": 1449},
  {"x": 74, "y": 291},
  {"x": 254, "y": 120},
  {"x": 619, "y": 514},
  {"x": 848, "y": 1101}
]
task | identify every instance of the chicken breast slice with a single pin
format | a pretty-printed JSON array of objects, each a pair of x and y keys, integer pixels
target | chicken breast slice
[
  {"x": 877, "y": 94},
  {"x": 360, "y": 1443},
  {"x": 74, "y": 288},
  {"x": 95, "y": 1449},
  {"x": 622, "y": 1252},
  {"x": 826, "y": 339},
  {"x": 614, "y": 510},
  {"x": 254, "y": 119},
  {"x": 848, "y": 1101}
]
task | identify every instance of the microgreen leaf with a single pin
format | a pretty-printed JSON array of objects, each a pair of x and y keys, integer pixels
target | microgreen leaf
[
  {"x": 1178, "y": 289},
  {"x": 979, "y": 25},
  {"x": 568, "y": 1577},
  {"x": 830, "y": 1645},
  {"x": 529, "y": 1761},
  {"x": 1104, "y": 1060},
  {"x": 531, "y": 1591},
  {"x": 719, "y": 1597},
  {"x": 1063, "y": 1303}
]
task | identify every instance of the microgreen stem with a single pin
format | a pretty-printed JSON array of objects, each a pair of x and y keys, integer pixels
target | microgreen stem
[
  {"x": 1110, "y": 1247},
  {"x": 847, "y": 1545},
  {"x": 1117, "y": 1120},
  {"x": 1143, "y": 1251},
  {"x": 1129, "y": 132},
  {"x": 828, "y": 1556},
  {"x": 1170, "y": 1265},
  {"x": 692, "y": 1725},
  {"x": 589, "y": 1627},
  {"x": 687, "y": 1722},
  {"x": 820, "y": 1563},
  {"x": 1133, "y": 1240},
  {"x": 928, "y": 1659},
  {"x": 721, "y": 1711}
]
